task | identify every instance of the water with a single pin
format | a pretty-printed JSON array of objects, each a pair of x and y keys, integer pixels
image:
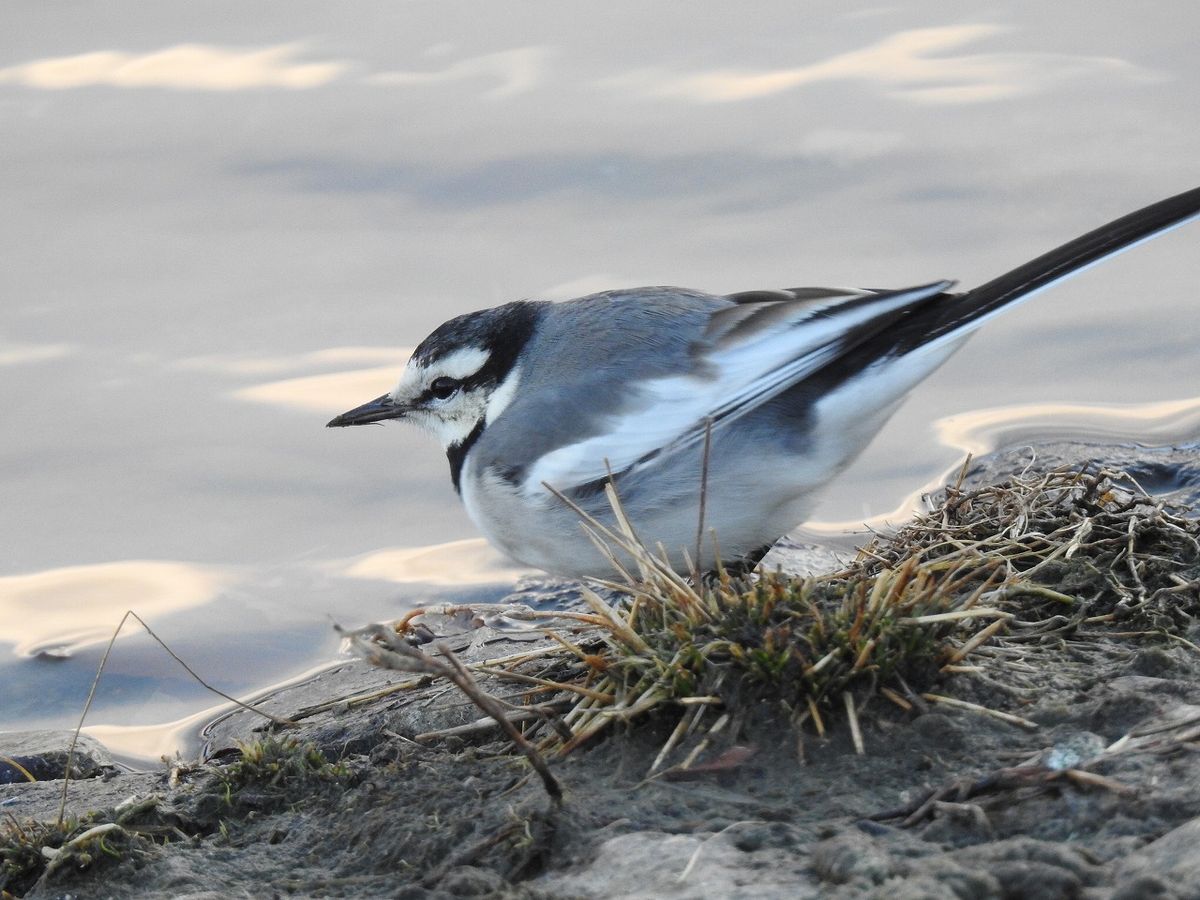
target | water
[{"x": 229, "y": 225}]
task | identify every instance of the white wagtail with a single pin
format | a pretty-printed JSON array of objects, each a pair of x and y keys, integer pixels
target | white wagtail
[{"x": 785, "y": 386}]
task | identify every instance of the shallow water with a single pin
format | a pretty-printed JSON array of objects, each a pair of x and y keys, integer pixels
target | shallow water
[{"x": 227, "y": 224}]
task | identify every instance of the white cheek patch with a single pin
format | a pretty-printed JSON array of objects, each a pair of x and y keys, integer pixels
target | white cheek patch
[
  {"x": 454, "y": 423},
  {"x": 446, "y": 431},
  {"x": 451, "y": 431},
  {"x": 503, "y": 395}
]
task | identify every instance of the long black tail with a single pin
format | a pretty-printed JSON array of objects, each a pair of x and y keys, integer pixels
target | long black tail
[
  {"x": 1071, "y": 258},
  {"x": 1091, "y": 248},
  {"x": 947, "y": 315}
]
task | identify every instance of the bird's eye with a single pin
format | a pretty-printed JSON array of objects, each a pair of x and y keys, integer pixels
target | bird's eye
[{"x": 443, "y": 388}]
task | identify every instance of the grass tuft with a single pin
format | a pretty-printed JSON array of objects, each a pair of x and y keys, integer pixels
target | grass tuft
[
  {"x": 980, "y": 580},
  {"x": 804, "y": 643},
  {"x": 34, "y": 853},
  {"x": 281, "y": 765},
  {"x": 21, "y": 857}
]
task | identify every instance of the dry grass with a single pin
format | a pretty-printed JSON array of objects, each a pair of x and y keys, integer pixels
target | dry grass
[
  {"x": 985, "y": 577},
  {"x": 1092, "y": 547},
  {"x": 36, "y": 853}
]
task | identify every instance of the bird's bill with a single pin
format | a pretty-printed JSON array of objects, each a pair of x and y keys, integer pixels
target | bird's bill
[{"x": 378, "y": 410}]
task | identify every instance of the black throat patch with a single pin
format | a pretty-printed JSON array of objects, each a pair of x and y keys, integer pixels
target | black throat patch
[{"x": 457, "y": 454}]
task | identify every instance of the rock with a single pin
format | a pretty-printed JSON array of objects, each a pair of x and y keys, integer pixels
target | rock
[
  {"x": 1174, "y": 859},
  {"x": 43, "y": 755}
]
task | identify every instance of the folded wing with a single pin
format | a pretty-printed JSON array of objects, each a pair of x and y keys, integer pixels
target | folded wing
[{"x": 751, "y": 351}]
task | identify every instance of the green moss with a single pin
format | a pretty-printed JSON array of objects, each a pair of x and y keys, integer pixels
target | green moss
[
  {"x": 33, "y": 851},
  {"x": 279, "y": 764},
  {"x": 799, "y": 641},
  {"x": 21, "y": 859}
]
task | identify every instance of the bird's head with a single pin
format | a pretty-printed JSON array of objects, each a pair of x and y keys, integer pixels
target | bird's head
[{"x": 459, "y": 378}]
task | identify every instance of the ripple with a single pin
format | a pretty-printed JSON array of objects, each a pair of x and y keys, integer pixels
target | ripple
[
  {"x": 464, "y": 562},
  {"x": 58, "y": 611}
]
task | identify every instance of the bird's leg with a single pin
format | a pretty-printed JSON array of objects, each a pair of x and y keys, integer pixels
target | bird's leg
[{"x": 739, "y": 568}]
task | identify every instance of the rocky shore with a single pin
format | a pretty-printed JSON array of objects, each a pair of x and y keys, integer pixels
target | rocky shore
[{"x": 1062, "y": 762}]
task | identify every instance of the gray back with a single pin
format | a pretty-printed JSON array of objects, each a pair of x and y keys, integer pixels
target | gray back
[{"x": 576, "y": 370}]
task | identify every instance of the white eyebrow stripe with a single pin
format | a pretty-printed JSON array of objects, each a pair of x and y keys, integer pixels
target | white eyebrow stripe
[{"x": 460, "y": 364}]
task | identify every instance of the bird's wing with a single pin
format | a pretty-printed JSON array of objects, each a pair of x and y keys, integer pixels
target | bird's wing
[{"x": 750, "y": 352}]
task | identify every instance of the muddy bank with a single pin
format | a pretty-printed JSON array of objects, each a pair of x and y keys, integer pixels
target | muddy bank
[{"x": 1086, "y": 785}]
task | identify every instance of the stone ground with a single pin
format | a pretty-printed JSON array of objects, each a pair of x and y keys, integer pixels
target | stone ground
[{"x": 944, "y": 802}]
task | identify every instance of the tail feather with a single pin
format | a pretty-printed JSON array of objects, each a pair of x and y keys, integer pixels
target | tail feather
[
  {"x": 1070, "y": 259},
  {"x": 947, "y": 318}
]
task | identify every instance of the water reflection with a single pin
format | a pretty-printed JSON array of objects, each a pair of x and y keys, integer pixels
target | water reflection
[
  {"x": 330, "y": 393},
  {"x": 143, "y": 746},
  {"x": 910, "y": 65},
  {"x": 59, "y": 611},
  {"x": 186, "y": 305},
  {"x": 517, "y": 71},
  {"x": 14, "y": 354},
  {"x": 466, "y": 562},
  {"x": 983, "y": 430},
  {"x": 264, "y": 365},
  {"x": 196, "y": 67}
]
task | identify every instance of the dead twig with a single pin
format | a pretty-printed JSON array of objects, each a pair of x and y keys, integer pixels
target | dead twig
[{"x": 383, "y": 647}]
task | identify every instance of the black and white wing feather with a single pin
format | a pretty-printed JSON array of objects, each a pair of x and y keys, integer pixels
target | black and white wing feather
[{"x": 748, "y": 354}]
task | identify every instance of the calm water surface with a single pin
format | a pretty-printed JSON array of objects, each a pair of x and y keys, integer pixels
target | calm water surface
[{"x": 225, "y": 224}]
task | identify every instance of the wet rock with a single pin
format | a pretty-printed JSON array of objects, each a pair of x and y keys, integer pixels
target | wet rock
[
  {"x": 649, "y": 865},
  {"x": 958, "y": 824},
  {"x": 940, "y": 879},
  {"x": 1174, "y": 857},
  {"x": 1144, "y": 887},
  {"x": 470, "y": 881},
  {"x": 42, "y": 756},
  {"x": 1156, "y": 661},
  {"x": 794, "y": 556},
  {"x": 939, "y": 730},
  {"x": 1072, "y": 749},
  {"x": 962, "y": 883},
  {"x": 852, "y": 856},
  {"x": 1032, "y": 880}
]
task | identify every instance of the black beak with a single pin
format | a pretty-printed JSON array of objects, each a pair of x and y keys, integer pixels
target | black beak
[{"x": 376, "y": 411}]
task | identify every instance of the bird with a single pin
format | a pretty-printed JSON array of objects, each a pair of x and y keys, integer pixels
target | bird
[{"x": 754, "y": 400}]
